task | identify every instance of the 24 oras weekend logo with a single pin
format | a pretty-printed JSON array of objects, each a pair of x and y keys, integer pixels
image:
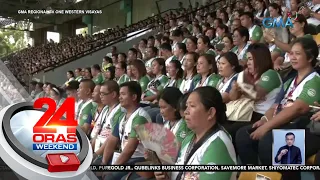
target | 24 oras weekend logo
[{"x": 48, "y": 131}]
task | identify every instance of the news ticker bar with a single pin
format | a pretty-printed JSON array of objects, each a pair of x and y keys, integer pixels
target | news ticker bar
[{"x": 205, "y": 168}]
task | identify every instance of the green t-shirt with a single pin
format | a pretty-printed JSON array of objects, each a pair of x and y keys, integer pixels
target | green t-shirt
[
  {"x": 144, "y": 81},
  {"x": 270, "y": 80},
  {"x": 159, "y": 83},
  {"x": 98, "y": 79},
  {"x": 124, "y": 78},
  {"x": 311, "y": 91},
  {"x": 181, "y": 131},
  {"x": 213, "y": 80},
  {"x": 85, "y": 113},
  {"x": 79, "y": 78},
  {"x": 217, "y": 150},
  {"x": 211, "y": 51},
  {"x": 256, "y": 34}
]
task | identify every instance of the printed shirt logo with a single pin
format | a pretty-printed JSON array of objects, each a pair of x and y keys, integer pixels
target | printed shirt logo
[
  {"x": 311, "y": 92},
  {"x": 265, "y": 78}
]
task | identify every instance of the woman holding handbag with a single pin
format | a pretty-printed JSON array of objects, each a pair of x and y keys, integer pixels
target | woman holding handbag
[{"x": 263, "y": 81}]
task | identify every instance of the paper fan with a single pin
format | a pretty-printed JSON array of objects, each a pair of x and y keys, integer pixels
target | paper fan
[{"x": 159, "y": 139}]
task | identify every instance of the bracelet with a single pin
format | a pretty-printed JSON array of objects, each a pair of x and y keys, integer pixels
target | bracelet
[{"x": 265, "y": 117}]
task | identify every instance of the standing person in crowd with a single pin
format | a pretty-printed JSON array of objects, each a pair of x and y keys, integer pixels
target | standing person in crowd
[
  {"x": 207, "y": 142},
  {"x": 85, "y": 107},
  {"x": 77, "y": 73},
  {"x": 132, "y": 150},
  {"x": 121, "y": 73},
  {"x": 255, "y": 31},
  {"x": 190, "y": 71},
  {"x": 293, "y": 102},
  {"x": 208, "y": 72},
  {"x": 139, "y": 74},
  {"x": 97, "y": 74},
  {"x": 109, "y": 95}
]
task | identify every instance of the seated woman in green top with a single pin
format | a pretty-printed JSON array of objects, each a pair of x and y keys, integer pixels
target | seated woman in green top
[
  {"x": 139, "y": 73},
  {"x": 207, "y": 72},
  {"x": 205, "y": 111},
  {"x": 156, "y": 85},
  {"x": 175, "y": 74},
  {"x": 169, "y": 103},
  {"x": 204, "y": 46},
  {"x": 299, "y": 29}
]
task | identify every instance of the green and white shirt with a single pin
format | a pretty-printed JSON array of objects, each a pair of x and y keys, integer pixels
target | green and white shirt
[
  {"x": 274, "y": 48},
  {"x": 186, "y": 85},
  {"x": 127, "y": 129},
  {"x": 79, "y": 78},
  {"x": 211, "y": 51},
  {"x": 144, "y": 81},
  {"x": 124, "y": 78},
  {"x": 211, "y": 80},
  {"x": 308, "y": 90},
  {"x": 173, "y": 83},
  {"x": 271, "y": 82},
  {"x": 179, "y": 129},
  {"x": 159, "y": 83},
  {"x": 216, "y": 150},
  {"x": 84, "y": 110},
  {"x": 243, "y": 54},
  {"x": 98, "y": 79},
  {"x": 107, "y": 122},
  {"x": 255, "y": 33}
]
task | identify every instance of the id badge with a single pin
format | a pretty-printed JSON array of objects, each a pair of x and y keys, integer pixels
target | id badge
[
  {"x": 97, "y": 145},
  {"x": 115, "y": 157}
]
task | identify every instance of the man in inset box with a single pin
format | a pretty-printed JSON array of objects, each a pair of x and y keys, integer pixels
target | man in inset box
[{"x": 289, "y": 154}]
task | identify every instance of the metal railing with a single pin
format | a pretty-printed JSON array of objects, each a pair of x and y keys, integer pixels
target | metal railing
[{"x": 108, "y": 44}]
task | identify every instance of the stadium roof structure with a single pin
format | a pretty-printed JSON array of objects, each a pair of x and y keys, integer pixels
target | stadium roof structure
[{"x": 9, "y": 11}]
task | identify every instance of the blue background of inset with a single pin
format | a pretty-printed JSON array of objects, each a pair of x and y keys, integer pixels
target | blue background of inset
[{"x": 279, "y": 141}]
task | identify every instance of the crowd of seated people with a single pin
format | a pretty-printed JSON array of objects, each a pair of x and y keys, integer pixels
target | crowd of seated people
[
  {"x": 53, "y": 54},
  {"x": 191, "y": 79}
]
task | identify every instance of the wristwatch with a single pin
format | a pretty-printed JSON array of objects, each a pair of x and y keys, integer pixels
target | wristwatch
[{"x": 272, "y": 40}]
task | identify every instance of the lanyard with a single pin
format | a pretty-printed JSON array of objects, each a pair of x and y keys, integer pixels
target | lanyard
[
  {"x": 124, "y": 124},
  {"x": 193, "y": 147},
  {"x": 296, "y": 84}
]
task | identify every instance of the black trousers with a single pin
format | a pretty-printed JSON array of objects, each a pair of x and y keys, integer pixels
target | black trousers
[
  {"x": 250, "y": 151},
  {"x": 232, "y": 126}
]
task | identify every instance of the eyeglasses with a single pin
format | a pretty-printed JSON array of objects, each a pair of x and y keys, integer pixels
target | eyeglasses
[{"x": 105, "y": 94}]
